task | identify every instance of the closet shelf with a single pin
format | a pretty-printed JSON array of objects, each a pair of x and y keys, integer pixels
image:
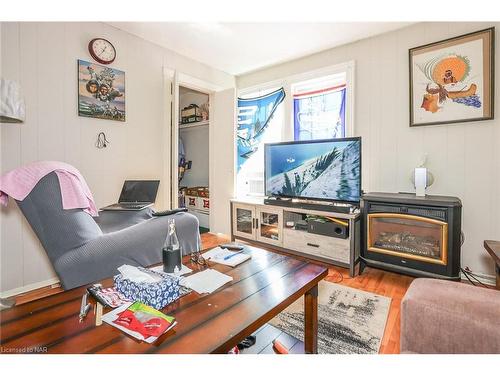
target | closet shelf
[
  {"x": 193, "y": 125},
  {"x": 205, "y": 212}
]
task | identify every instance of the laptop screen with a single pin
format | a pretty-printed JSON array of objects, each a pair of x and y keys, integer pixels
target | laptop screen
[{"x": 139, "y": 191}]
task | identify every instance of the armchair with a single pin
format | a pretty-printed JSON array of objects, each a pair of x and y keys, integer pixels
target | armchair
[
  {"x": 83, "y": 250},
  {"x": 446, "y": 317}
]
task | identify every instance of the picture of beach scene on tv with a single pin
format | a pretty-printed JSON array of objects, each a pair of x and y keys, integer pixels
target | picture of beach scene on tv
[{"x": 318, "y": 170}]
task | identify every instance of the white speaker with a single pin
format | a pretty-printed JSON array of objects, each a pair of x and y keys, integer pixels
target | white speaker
[{"x": 420, "y": 178}]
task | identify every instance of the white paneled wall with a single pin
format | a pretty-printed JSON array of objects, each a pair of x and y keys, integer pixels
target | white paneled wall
[
  {"x": 222, "y": 177},
  {"x": 43, "y": 58},
  {"x": 464, "y": 158}
]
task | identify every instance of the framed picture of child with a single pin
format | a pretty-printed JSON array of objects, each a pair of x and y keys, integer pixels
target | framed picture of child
[
  {"x": 453, "y": 80},
  {"x": 101, "y": 91}
]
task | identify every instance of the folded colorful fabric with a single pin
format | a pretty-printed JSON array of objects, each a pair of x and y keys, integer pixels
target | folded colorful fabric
[{"x": 75, "y": 192}]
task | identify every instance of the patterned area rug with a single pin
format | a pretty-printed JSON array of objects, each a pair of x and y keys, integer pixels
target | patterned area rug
[{"x": 350, "y": 321}]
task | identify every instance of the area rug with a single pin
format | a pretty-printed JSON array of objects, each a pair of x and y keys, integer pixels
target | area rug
[{"x": 350, "y": 321}]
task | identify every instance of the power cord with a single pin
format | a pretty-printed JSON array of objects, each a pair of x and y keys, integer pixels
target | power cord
[
  {"x": 101, "y": 140},
  {"x": 467, "y": 276},
  {"x": 467, "y": 272}
]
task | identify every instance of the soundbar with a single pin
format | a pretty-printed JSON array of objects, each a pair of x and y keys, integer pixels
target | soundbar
[{"x": 311, "y": 205}]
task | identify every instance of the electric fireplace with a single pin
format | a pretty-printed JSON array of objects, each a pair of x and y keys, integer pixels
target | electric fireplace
[{"x": 419, "y": 236}]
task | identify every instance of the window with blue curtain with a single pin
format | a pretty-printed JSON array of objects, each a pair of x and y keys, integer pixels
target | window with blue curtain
[
  {"x": 260, "y": 120},
  {"x": 320, "y": 114}
]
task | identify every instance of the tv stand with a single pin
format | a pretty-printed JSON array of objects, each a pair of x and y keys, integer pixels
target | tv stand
[
  {"x": 311, "y": 205},
  {"x": 304, "y": 228}
]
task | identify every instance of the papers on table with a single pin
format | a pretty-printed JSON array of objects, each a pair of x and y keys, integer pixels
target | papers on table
[
  {"x": 183, "y": 271},
  {"x": 113, "y": 315},
  {"x": 206, "y": 281},
  {"x": 226, "y": 257}
]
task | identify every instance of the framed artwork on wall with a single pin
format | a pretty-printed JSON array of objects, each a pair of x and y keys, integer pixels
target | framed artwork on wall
[
  {"x": 101, "y": 91},
  {"x": 453, "y": 80}
]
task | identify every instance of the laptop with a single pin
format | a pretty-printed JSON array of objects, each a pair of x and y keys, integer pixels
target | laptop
[{"x": 135, "y": 196}]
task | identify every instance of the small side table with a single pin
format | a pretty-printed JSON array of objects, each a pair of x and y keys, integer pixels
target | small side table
[{"x": 493, "y": 248}]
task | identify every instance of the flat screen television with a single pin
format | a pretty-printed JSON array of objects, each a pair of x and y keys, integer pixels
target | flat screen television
[{"x": 327, "y": 169}]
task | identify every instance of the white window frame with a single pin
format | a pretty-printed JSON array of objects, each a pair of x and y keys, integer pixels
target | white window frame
[{"x": 287, "y": 82}]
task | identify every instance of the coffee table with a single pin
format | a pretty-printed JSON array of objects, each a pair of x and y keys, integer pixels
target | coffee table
[{"x": 261, "y": 288}]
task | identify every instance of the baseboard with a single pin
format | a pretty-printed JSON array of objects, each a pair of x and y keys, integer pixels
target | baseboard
[
  {"x": 484, "y": 278},
  {"x": 29, "y": 288}
]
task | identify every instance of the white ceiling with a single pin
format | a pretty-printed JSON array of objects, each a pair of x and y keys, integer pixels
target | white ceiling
[{"x": 238, "y": 48}]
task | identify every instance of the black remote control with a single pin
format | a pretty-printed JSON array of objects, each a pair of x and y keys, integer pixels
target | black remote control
[
  {"x": 231, "y": 246},
  {"x": 94, "y": 292},
  {"x": 170, "y": 212}
]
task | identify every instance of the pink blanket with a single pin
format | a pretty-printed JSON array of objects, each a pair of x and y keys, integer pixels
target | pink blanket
[{"x": 75, "y": 192}]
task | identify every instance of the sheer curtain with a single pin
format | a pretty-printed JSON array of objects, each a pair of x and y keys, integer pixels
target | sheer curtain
[{"x": 320, "y": 114}]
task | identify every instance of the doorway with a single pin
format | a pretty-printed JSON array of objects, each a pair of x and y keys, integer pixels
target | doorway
[
  {"x": 193, "y": 190},
  {"x": 202, "y": 115}
]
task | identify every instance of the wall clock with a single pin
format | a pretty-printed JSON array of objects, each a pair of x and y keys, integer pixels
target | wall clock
[{"x": 102, "y": 50}]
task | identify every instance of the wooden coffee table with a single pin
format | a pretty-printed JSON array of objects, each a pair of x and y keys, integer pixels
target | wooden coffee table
[{"x": 261, "y": 288}]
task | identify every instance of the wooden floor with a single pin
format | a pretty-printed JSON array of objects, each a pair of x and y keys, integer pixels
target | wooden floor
[
  {"x": 264, "y": 342},
  {"x": 385, "y": 283},
  {"x": 376, "y": 281}
]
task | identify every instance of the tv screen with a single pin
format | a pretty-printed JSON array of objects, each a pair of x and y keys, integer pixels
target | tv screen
[{"x": 328, "y": 169}]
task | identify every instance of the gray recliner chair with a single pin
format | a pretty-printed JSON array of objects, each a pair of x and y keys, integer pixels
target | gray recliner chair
[{"x": 83, "y": 250}]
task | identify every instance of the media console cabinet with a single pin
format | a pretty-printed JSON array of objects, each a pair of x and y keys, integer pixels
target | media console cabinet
[{"x": 295, "y": 231}]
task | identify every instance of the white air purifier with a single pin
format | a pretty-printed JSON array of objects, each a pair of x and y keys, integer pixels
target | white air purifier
[{"x": 420, "y": 177}]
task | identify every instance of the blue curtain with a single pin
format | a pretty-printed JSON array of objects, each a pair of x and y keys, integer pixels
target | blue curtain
[{"x": 254, "y": 115}]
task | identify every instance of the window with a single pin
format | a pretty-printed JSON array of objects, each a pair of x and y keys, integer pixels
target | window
[
  {"x": 319, "y": 108},
  {"x": 260, "y": 121},
  {"x": 317, "y": 105}
]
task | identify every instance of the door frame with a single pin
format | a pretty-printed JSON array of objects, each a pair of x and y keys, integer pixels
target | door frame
[
  {"x": 168, "y": 100},
  {"x": 177, "y": 79}
]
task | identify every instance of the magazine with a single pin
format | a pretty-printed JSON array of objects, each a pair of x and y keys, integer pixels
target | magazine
[{"x": 140, "y": 321}]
